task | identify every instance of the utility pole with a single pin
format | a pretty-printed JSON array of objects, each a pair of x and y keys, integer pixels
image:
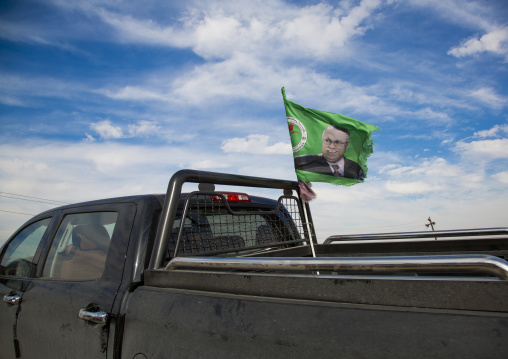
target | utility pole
[{"x": 431, "y": 224}]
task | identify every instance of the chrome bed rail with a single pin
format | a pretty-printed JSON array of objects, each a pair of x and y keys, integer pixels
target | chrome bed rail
[
  {"x": 462, "y": 233},
  {"x": 475, "y": 264}
]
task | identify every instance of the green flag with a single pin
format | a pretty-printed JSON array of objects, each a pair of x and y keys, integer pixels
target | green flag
[{"x": 328, "y": 147}]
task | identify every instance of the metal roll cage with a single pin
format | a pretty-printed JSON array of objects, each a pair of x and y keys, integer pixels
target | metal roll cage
[{"x": 174, "y": 191}]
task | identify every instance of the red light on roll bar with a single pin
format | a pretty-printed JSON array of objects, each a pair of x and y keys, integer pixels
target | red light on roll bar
[{"x": 233, "y": 197}]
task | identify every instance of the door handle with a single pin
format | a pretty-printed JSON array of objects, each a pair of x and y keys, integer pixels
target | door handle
[
  {"x": 12, "y": 299},
  {"x": 95, "y": 317}
]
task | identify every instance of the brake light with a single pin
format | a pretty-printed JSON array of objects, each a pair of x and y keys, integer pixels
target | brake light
[{"x": 233, "y": 197}]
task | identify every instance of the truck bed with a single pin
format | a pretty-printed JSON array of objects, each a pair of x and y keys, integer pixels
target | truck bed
[
  {"x": 348, "y": 297},
  {"x": 295, "y": 315}
]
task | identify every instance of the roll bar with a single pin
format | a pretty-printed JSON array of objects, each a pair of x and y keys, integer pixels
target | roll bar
[{"x": 174, "y": 191}]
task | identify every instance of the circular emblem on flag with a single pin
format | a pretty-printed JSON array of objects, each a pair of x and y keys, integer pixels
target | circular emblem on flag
[{"x": 298, "y": 134}]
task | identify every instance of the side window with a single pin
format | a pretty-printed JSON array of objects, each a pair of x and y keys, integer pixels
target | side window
[
  {"x": 80, "y": 246},
  {"x": 19, "y": 254}
]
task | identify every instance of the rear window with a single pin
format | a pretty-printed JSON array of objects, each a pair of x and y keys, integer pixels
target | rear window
[{"x": 212, "y": 227}]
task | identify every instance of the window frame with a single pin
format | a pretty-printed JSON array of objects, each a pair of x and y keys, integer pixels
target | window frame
[
  {"x": 115, "y": 259},
  {"x": 40, "y": 247},
  {"x": 63, "y": 235}
]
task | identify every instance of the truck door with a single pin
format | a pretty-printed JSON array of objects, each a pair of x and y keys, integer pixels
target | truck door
[
  {"x": 18, "y": 261},
  {"x": 67, "y": 309}
]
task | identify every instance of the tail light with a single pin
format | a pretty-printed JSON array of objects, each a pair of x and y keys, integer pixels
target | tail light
[{"x": 233, "y": 197}]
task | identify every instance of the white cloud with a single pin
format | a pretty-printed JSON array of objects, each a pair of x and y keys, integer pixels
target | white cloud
[
  {"x": 209, "y": 165},
  {"x": 29, "y": 32},
  {"x": 476, "y": 15},
  {"x": 490, "y": 97},
  {"x": 133, "y": 93},
  {"x": 496, "y": 42},
  {"x": 20, "y": 89},
  {"x": 495, "y": 131},
  {"x": 409, "y": 188},
  {"x": 454, "y": 210},
  {"x": 251, "y": 44},
  {"x": 89, "y": 138},
  {"x": 430, "y": 177},
  {"x": 130, "y": 29},
  {"x": 320, "y": 30},
  {"x": 221, "y": 31},
  {"x": 430, "y": 114},
  {"x": 462, "y": 12},
  {"x": 239, "y": 77},
  {"x": 11, "y": 101},
  {"x": 253, "y": 41},
  {"x": 143, "y": 128},
  {"x": 424, "y": 176},
  {"x": 434, "y": 167},
  {"x": 255, "y": 144},
  {"x": 485, "y": 145},
  {"x": 501, "y": 177},
  {"x": 484, "y": 149},
  {"x": 107, "y": 130},
  {"x": 249, "y": 78}
]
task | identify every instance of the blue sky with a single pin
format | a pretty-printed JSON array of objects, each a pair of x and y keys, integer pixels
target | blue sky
[{"x": 109, "y": 98}]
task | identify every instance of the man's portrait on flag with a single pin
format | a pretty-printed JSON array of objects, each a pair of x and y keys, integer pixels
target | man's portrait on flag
[{"x": 331, "y": 161}]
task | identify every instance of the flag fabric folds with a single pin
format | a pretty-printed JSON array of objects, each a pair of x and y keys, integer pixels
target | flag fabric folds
[{"x": 328, "y": 147}]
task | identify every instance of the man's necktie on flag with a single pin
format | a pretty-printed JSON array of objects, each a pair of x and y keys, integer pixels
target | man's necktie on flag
[{"x": 328, "y": 147}]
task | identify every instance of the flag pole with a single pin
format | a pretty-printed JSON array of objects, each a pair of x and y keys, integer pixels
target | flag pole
[{"x": 308, "y": 228}]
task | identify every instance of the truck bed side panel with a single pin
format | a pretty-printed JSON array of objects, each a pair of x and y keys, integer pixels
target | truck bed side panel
[{"x": 165, "y": 323}]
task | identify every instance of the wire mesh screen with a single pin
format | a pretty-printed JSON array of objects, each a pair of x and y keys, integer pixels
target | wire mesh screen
[{"x": 212, "y": 225}]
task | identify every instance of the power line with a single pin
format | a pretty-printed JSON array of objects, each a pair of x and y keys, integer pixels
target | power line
[
  {"x": 28, "y": 214},
  {"x": 25, "y": 199},
  {"x": 31, "y": 198},
  {"x": 44, "y": 199}
]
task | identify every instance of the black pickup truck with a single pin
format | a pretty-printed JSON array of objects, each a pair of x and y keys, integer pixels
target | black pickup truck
[{"x": 212, "y": 274}]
